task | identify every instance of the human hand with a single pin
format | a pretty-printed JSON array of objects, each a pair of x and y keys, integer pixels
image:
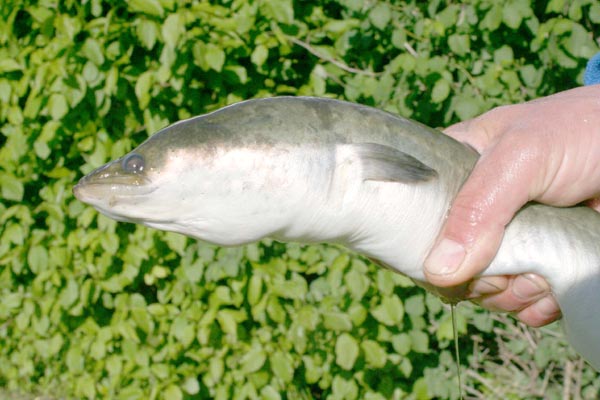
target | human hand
[{"x": 546, "y": 150}]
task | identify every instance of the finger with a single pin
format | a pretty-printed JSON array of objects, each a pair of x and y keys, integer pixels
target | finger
[
  {"x": 594, "y": 203},
  {"x": 523, "y": 291},
  {"x": 486, "y": 286},
  {"x": 471, "y": 133},
  {"x": 543, "y": 312},
  {"x": 499, "y": 185},
  {"x": 481, "y": 132}
]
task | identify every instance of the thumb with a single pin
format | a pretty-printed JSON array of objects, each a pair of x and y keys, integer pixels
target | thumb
[{"x": 499, "y": 185}]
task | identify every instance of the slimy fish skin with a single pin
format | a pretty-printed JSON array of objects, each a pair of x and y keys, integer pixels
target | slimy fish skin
[{"x": 309, "y": 169}]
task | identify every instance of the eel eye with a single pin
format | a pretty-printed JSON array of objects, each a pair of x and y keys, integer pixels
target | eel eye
[{"x": 133, "y": 163}]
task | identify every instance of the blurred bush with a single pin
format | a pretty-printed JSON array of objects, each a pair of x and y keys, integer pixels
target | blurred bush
[{"x": 94, "y": 309}]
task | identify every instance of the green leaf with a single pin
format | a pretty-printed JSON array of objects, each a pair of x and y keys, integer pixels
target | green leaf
[
  {"x": 142, "y": 88},
  {"x": 131, "y": 392},
  {"x": 69, "y": 294},
  {"x": 504, "y": 55},
  {"x": 12, "y": 300},
  {"x": 308, "y": 317},
  {"x": 54, "y": 345},
  {"x": 374, "y": 396},
  {"x": 385, "y": 281},
  {"x": 160, "y": 370},
  {"x": 150, "y": 7},
  {"x": 448, "y": 17},
  {"x": 74, "y": 359},
  {"x": 357, "y": 283},
  {"x": 215, "y": 57},
  {"x": 346, "y": 351},
  {"x": 255, "y": 289},
  {"x": 419, "y": 341},
  {"x": 144, "y": 321},
  {"x": 580, "y": 43},
  {"x": 215, "y": 369},
  {"x": 340, "y": 26},
  {"x": 86, "y": 386},
  {"x": 402, "y": 343},
  {"x": 12, "y": 188},
  {"x": 380, "y": 15},
  {"x": 253, "y": 360},
  {"x": 98, "y": 350},
  {"x": 68, "y": 26},
  {"x": 512, "y": 16},
  {"x": 482, "y": 321},
  {"x": 14, "y": 233},
  {"x": 239, "y": 72},
  {"x": 415, "y": 305},
  {"x": 357, "y": 313},
  {"x": 459, "y": 44},
  {"x": 493, "y": 18},
  {"x": 594, "y": 13},
  {"x": 172, "y": 29},
  {"x": 37, "y": 258},
  {"x": 176, "y": 242},
  {"x": 208, "y": 56},
  {"x": 313, "y": 372},
  {"x": 191, "y": 386},
  {"x": 173, "y": 392},
  {"x": 563, "y": 59},
  {"x": 445, "y": 330},
  {"x": 275, "y": 310},
  {"x": 355, "y": 5},
  {"x": 344, "y": 388},
  {"x": 92, "y": 51},
  {"x": 399, "y": 38},
  {"x": 9, "y": 65},
  {"x": 440, "y": 91},
  {"x": 147, "y": 32},
  {"x": 5, "y": 91},
  {"x": 269, "y": 393},
  {"x": 556, "y": 6},
  {"x": 282, "y": 366},
  {"x": 337, "y": 321},
  {"x": 511, "y": 80},
  {"x": 290, "y": 289},
  {"x": 375, "y": 355},
  {"x": 530, "y": 76},
  {"x": 466, "y": 107},
  {"x": 229, "y": 319},
  {"x": 279, "y": 10},
  {"x": 390, "y": 311},
  {"x": 91, "y": 74},
  {"x": 183, "y": 330},
  {"x": 42, "y": 150},
  {"x": 420, "y": 389},
  {"x": 114, "y": 366},
  {"x": 57, "y": 106}
]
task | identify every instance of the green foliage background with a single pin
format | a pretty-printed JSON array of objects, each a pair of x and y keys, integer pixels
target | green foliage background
[{"x": 94, "y": 309}]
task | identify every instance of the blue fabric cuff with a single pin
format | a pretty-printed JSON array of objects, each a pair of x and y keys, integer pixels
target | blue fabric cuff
[{"x": 591, "y": 76}]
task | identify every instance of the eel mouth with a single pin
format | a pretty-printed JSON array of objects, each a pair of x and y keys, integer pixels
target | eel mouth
[{"x": 98, "y": 185}]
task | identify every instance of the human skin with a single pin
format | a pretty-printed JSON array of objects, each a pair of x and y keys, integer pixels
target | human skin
[{"x": 546, "y": 150}]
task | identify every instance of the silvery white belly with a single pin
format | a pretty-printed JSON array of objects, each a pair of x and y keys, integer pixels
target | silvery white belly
[{"x": 562, "y": 245}]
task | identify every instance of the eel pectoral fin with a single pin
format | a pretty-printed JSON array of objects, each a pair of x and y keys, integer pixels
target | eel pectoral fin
[{"x": 384, "y": 163}]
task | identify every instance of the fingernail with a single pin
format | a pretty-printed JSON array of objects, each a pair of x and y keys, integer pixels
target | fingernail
[
  {"x": 485, "y": 286},
  {"x": 525, "y": 288},
  {"x": 547, "y": 306},
  {"x": 445, "y": 258}
]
